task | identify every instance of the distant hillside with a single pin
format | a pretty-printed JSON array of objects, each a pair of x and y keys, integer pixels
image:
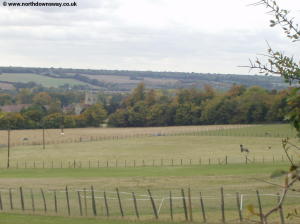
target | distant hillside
[{"x": 123, "y": 80}]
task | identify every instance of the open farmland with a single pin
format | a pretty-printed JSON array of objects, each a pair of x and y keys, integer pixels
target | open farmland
[
  {"x": 201, "y": 148},
  {"x": 143, "y": 146},
  {"x": 39, "y": 79},
  {"x": 91, "y": 134}
]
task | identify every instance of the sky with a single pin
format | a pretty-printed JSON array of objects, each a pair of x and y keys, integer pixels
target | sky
[{"x": 214, "y": 36}]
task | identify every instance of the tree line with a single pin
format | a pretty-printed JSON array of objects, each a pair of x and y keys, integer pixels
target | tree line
[
  {"x": 191, "y": 106},
  {"x": 147, "y": 107}
]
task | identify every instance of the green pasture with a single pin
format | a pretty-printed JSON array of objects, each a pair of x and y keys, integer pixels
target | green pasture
[
  {"x": 244, "y": 179},
  {"x": 267, "y": 130},
  {"x": 153, "y": 170},
  {"x": 198, "y": 149},
  {"x": 196, "y": 170},
  {"x": 39, "y": 79},
  {"x": 36, "y": 219}
]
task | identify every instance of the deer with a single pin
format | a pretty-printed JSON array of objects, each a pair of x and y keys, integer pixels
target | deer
[{"x": 243, "y": 149}]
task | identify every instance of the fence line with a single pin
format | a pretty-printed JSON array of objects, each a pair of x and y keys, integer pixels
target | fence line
[
  {"x": 176, "y": 205},
  {"x": 34, "y": 164},
  {"x": 219, "y": 130}
]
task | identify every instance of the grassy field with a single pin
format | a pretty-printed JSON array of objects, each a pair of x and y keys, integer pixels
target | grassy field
[
  {"x": 162, "y": 149},
  {"x": 53, "y": 136},
  {"x": 39, "y": 79},
  {"x": 189, "y": 144},
  {"x": 270, "y": 130},
  {"x": 207, "y": 179},
  {"x": 35, "y": 219}
]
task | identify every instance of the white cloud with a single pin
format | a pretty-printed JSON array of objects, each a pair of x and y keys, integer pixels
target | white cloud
[{"x": 181, "y": 35}]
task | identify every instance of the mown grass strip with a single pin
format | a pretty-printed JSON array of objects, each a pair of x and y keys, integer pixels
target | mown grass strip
[{"x": 195, "y": 170}]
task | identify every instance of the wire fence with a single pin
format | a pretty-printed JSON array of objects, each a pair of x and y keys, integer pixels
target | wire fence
[
  {"x": 177, "y": 205},
  {"x": 50, "y": 138},
  {"x": 226, "y": 160}
]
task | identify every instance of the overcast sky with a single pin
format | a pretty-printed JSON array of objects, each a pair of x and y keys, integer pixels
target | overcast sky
[{"x": 213, "y": 36}]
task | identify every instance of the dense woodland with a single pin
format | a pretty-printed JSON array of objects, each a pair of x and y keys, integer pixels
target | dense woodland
[{"x": 146, "y": 107}]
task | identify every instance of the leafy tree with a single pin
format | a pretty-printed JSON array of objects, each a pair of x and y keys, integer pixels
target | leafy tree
[
  {"x": 55, "y": 106},
  {"x": 34, "y": 115},
  {"x": 53, "y": 120},
  {"x": 95, "y": 115},
  {"x": 277, "y": 62},
  {"x": 160, "y": 115},
  {"x": 12, "y": 121},
  {"x": 24, "y": 96},
  {"x": 119, "y": 118},
  {"x": 289, "y": 68},
  {"x": 137, "y": 114},
  {"x": 42, "y": 98},
  {"x": 5, "y": 99}
]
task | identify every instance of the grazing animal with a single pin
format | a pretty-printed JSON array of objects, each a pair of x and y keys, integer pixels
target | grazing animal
[
  {"x": 243, "y": 149},
  {"x": 269, "y": 147},
  {"x": 25, "y": 139}
]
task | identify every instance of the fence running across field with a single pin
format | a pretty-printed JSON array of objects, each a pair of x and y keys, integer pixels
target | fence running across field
[
  {"x": 24, "y": 164},
  {"x": 209, "y": 130},
  {"x": 177, "y": 205}
]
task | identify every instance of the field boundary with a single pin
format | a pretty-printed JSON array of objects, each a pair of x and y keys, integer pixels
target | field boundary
[
  {"x": 177, "y": 205},
  {"x": 62, "y": 164}
]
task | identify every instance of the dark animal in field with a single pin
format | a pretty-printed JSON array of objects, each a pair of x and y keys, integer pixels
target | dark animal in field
[
  {"x": 267, "y": 133},
  {"x": 25, "y": 139},
  {"x": 243, "y": 149}
]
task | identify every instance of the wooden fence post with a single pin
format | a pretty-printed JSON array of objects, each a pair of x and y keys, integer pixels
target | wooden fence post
[
  {"x": 120, "y": 203},
  {"x": 10, "y": 200},
  {"x": 1, "y": 204},
  {"x": 55, "y": 201},
  {"x": 153, "y": 204},
  {"x": 106, "y": 204},
  {"x": 222, "y": 205},
  {"x": 260, "y": 207},
  {"x": 190, "y": 205},
  {"x": 44, "y": 200},
  {"x": 184, "y": 205},
  {"x": 85, "y": 201},
  {"x": 135, "y": 206},
  {"x": 171, "y": 206},
  {"x": 68, "y": 201},
  {"x": 32, "y": 200},
  {"x": 202, "y": 208},
  {"x": 79, "y": 203},
  {"x": 238, "y": 204},
  {"x": 93, "y": 201},
  {"x": 22, "y": 199}
]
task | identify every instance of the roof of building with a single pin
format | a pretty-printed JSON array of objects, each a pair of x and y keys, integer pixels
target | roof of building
[{"x": 14, "y": 108}]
